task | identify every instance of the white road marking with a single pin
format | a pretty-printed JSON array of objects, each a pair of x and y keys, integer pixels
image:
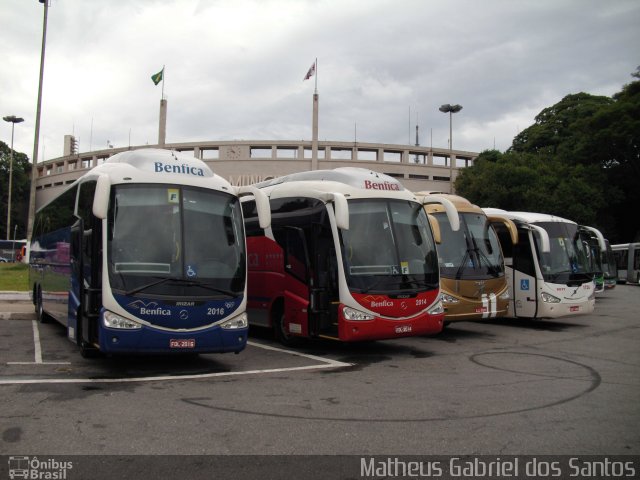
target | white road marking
[
  {"x": 37, "y": 350},
  {"x": 325, "y": 363}
]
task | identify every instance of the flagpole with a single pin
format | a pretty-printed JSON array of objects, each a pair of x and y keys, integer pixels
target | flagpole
[{"x": 163, "y": 75}]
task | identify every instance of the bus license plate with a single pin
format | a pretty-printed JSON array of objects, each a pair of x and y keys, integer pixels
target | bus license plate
[
  {"x": 403, "y": 329},
  {"x": 574, "y": 309},
  {"x": 182, "y": 343}
]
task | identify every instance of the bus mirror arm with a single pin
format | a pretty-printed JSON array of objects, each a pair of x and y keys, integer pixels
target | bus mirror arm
[
  {"x": 101, "y": 198},
  {"x": 544, "y": 237},
  {"x": 601, "y": 243},
  {"x": 262, "y": 204},
  {"x": 449, "y": 208},
  {"x": 435, "y": 227},
  {"x": 510, "y": 226},
  {"x": 341, "y": 208}
]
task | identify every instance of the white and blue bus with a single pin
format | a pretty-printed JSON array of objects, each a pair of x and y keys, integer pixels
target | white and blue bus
[
  {"x": 548, "y": 269},
  {"x": 145, "y": 253}
]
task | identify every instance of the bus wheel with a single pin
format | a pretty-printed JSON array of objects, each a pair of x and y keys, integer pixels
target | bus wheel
[
  {"x": 282, "y": 335},
  {"x": 42, "y": 317}
]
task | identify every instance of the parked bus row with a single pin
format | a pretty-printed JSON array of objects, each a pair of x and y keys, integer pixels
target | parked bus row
[{"x": 153, "y": 252}]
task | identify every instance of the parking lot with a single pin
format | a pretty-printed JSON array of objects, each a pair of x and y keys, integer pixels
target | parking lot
[{"x": 506, "y": 387}]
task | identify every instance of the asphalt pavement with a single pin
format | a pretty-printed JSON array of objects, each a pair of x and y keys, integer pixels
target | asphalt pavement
[{"x": 16, "y": 306}]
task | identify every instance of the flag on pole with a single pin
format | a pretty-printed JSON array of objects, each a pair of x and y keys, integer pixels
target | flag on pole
[
  {"x": 157, "y": 78},
  {"x": 311, "y": 72}
]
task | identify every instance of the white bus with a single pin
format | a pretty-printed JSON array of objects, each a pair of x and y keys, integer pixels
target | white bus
[
  {"x": 145, "y": 253},
  {"x": 349, "y": 256},
  {"x": 627, "y": 257},
  {"x": 548, "y": 270}
]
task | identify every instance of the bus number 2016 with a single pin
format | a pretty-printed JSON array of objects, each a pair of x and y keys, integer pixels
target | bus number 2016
[{"x": 215, "y": 311}]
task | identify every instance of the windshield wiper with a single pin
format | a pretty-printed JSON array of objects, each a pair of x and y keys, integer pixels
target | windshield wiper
[
  {"x": 207, "y": 286},
  {"x": 149, "y": 285},
  {"x": 492, "y": 269},
  {"x": 181, "y": 281}
]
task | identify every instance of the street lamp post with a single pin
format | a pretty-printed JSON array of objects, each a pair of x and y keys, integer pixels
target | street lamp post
[
  {"x": 450, "y": 109},
  {"x": 34, "y": 169},
  {"x": 13, "y": 120}
]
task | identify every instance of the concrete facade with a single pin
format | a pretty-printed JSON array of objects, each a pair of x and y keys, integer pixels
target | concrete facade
[{"x": 247, "y": 162}]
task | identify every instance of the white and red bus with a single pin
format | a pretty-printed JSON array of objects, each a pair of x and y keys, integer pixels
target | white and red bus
[{"x": 350, "y": 255}]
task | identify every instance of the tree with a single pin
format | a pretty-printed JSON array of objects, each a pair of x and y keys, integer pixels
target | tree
[
  {"x": 20, "y": 191},
  {"x": 535, "y": 183},
  {"x": 580, "y": 160}
]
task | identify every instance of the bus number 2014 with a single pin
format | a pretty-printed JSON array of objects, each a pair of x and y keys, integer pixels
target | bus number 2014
[{"x": 215, "y": 311}]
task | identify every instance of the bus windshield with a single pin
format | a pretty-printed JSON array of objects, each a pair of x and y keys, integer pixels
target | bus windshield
[
  {"x": 473, "y": 252},
  {"x": 389, "y": 247},
  {"x": 165, "y": 239},
  {"x": 568, "y": 259}
]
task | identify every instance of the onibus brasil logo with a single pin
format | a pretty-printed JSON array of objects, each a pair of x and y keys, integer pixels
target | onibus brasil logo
[{"x": 40, "y": 469}]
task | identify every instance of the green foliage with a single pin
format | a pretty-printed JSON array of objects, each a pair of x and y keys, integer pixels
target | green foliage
[
  {"x": 14, "y": 277},
  {"x": 20, "y": 191},
  {"x": 579, "y": 160}
]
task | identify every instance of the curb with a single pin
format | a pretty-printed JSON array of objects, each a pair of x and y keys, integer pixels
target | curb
[
  {"x": 17, "y": 316},
  {"x": 15, "y": 296}
]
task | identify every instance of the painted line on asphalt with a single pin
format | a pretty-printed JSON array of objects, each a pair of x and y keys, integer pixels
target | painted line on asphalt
[{"x": 325, "y": 363}]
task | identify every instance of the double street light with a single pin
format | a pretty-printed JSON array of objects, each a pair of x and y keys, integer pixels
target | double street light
[
  {"x": 450, "y": 109},
  {"x": 13, "y": 120}
]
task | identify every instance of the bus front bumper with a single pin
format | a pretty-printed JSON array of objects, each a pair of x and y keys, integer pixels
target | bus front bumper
[{"x": 151, "y": 340}]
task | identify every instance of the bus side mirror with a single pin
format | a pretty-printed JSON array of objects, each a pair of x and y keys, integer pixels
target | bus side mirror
[
  {"x": 101, "y": 197},
  {"x": 341, "y": 208},
  {"x": 449, "y": 208},
  {"x": 509, "y": 225},
  {"x": 262, "y": 204},
  {"x": 435, "y": 228}
]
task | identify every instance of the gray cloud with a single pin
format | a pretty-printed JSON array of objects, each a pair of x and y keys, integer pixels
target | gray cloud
[{"x": 234, "y": 68}]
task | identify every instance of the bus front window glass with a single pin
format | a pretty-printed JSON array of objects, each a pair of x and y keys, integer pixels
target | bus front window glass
[
  {"x": 214, "y": 245},
  {"x": 388, "y": 246},
  {"x": 568, "y": 258},
  {"x": 165, "y": 240}
]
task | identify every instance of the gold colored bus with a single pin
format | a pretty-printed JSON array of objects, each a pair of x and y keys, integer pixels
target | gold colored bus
[{"x": 472, "y": 273}]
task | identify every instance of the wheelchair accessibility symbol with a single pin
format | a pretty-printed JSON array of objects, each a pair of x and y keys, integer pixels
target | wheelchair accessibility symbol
[
  {"x": 191, "y": 272},
  {"x": 524, "y": 284}
]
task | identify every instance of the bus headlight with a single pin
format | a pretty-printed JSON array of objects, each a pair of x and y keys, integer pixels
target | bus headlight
[
  {"x": 111, "y": 320},
  {"x": 353, "y": 314},
  {"x": 437, "y": 308},
  {"x": 504, "y": 295},
  {"x": 235, "y": 323},
  {"x": 547, "y": 297},
  {"x": 446, "y": 298}
]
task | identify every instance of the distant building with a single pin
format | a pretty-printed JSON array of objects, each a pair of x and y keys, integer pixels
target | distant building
[{"x": 246, "y": 162}]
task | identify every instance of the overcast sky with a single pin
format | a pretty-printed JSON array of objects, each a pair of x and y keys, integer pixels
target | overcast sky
[{"x": 234, "y": 68}]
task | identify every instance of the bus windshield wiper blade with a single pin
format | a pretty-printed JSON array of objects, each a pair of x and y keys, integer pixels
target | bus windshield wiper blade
[
  {"x": 207, "y": 286},
  {"x": 420, "y": 283},
  {"x": 149, "y": 285},
  {"x": 189, "y": 283}
]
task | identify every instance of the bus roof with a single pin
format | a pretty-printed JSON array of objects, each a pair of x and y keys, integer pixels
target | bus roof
[
  {"x": 461, "y": 203},
  {"x": 351, "y": 181},
  {"x": 527, "y": 217},
  {"x": 154, "y": 165}
]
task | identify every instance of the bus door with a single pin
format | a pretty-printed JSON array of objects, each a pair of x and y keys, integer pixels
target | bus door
[
  {"x": 523, "y": 281},
  {"x": 297, "y": 282},
  {"x": 323, "y": 311},
  {"x": 86, "y": 263}
]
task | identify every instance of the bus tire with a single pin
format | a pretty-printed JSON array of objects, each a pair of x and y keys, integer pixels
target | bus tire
[
  {"x": 281, "y": 334},
  {"x": 40, "y": 315}
]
